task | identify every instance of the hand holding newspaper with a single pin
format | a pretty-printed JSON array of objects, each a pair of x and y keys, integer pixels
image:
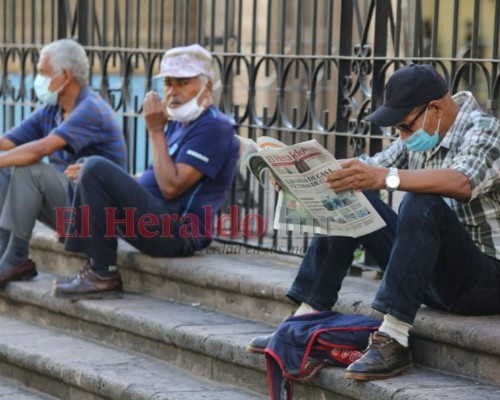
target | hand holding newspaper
[{"x": 306, "y": 203}]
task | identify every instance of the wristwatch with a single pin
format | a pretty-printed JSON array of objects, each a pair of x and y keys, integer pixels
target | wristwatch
[{"x": 392, "y": 180}]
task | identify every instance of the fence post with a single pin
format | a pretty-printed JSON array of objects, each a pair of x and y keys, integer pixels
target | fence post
[
  {"x": 382, "y": 10},
  {"x": 62, "y": 19},
  {"x": 345, "y": 51},
  {"x": 84, "y": 21}
]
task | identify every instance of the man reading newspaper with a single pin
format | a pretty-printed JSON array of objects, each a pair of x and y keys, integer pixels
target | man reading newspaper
[{"x": 442, "y": 248}]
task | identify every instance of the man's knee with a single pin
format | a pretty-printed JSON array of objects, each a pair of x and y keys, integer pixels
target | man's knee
[
  {"x": 31, "y": 172},
  {"x": 415, "y": 205},
  {"x": 95, "y": 166}
]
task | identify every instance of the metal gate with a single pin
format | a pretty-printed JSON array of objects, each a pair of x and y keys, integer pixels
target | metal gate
[{"x": 292, "y": 69}]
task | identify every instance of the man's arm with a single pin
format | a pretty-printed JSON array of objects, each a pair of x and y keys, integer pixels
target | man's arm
[
  {"x": 31, "y": 152},
  {"x": 172, "y": 178},
  {"x": 357, "y": 175},
  {"x": 6, "y": 144},
  {"x": 445, "y": 182}
]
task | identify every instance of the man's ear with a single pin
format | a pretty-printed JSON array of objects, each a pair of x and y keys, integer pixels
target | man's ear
[
  {"x": 209, "y": 85},
  {"x": 437, "y": 107},
  {"x": 68, "y": 76}
]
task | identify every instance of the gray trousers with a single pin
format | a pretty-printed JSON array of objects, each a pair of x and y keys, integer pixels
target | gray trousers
[{"x": 30, "y": 193}]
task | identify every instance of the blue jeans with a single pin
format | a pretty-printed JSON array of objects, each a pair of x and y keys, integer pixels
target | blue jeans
[
  {"x": 427, "y": 256},
  {"x": 102, "y": 184}
]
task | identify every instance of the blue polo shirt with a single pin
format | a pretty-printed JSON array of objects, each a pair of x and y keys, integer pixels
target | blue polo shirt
[
  {"x": 208, "y": 144},
  {"x": 92, "y": 128}
]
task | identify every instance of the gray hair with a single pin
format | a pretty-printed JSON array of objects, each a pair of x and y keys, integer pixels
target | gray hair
[
  {"x": 70, "y": 55},
  {"x": 203, "y": 79}
]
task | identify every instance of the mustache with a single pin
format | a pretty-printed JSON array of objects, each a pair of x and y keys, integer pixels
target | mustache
[{"x": 175, "y": 102}]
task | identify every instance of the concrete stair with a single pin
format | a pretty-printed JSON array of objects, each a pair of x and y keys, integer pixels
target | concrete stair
[
  {"x": 71, "y": 367},
  {"x": 185, "y": 323},
  {"x": 10, "y": 389}
]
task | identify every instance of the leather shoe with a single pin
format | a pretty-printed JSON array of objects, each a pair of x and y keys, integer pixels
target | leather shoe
[
  {"x": 258, "y": 344},
  {"x": 66, "y": 279},
  {"x": 88, "y": 285},
  {"x": 24, "y": 271},
  {"x": 384, "y": 358}
]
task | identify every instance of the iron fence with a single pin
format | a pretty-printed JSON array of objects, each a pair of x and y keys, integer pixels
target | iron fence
[{"x": 295, "y": 70}]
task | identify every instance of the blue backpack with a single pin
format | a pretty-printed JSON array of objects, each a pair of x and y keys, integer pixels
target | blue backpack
[{"x": 303, "y": 345}]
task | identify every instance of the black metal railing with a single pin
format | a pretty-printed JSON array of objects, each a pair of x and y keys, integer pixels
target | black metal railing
[{"x": 293, "y": 69}]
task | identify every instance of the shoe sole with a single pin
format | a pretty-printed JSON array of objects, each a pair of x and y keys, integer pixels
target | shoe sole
[
  {"x": 89, "y": 296},
  {"x": 255, "y": 350},
  {"x": 363, "y": 376}
]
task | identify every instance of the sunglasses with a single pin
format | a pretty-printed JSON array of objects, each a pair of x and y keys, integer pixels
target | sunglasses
[{"x": 408, "y": 127}]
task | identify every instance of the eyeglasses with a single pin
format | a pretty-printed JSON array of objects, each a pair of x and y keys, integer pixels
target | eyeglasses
[{"x": 408, "y": 127}]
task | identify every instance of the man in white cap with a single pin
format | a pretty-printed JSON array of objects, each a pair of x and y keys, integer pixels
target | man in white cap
[{"x": 169, "y": 210}]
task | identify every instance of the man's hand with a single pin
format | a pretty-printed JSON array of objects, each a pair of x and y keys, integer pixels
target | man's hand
[
  {"x": 356, "y": 175},
  {"x": 155, "y": 114},
  {"x": 72, "y": 171},
  {"x": 275, "y": 184}
]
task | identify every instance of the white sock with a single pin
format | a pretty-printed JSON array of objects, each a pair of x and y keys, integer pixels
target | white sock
[
  {"x": 396, "y": 329},
  {"x": 304, "y": 309}
]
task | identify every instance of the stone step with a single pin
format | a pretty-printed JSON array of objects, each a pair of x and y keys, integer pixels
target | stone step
[
  {"x": 70, "y": 367},
  {"x": 206, "y": 343},
  {"x": 253, "y": 284},
  {"x": 12, "y": 390},
  {"x": 231, "y": 279}
]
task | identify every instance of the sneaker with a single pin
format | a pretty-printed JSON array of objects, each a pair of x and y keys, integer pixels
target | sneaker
[{"x": 384, "y": 358}]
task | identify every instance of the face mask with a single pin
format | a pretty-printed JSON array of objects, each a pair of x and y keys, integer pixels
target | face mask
[
  {"x": 41, "y": 86},
  {"x": 421, "y": 140},
  {"x": 188, "y": 111}
]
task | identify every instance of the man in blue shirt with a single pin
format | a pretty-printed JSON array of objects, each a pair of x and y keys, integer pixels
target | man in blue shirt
[
  {"x": 74, "y": 123},
  {"x": 169, "y": 210}
]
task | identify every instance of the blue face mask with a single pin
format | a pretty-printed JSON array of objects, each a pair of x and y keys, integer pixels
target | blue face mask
[
  {"x": 41, "y": 86},
  {"x": 420, "y": 140}
]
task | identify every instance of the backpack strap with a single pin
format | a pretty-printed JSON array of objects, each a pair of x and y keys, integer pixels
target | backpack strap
[{"x": 280, "y": 387}]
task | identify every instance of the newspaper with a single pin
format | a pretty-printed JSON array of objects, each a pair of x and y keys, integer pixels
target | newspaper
[{"x": 306, "y": 203}]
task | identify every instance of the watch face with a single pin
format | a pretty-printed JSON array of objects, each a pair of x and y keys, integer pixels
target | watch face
[{"x": 392, "y": 181}]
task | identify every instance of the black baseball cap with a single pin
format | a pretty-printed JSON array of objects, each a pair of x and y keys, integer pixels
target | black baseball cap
[{"x": 408, "y": 87}]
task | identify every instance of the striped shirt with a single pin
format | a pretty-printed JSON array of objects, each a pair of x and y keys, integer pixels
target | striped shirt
[
  {"x": 471, "y": 146},
  {"x": 92, "y": 128}
]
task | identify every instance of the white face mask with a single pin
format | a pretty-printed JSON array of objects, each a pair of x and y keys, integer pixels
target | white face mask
[
  {"x": 188, "y": 111},
  {"x": 41, "y": 86}
]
